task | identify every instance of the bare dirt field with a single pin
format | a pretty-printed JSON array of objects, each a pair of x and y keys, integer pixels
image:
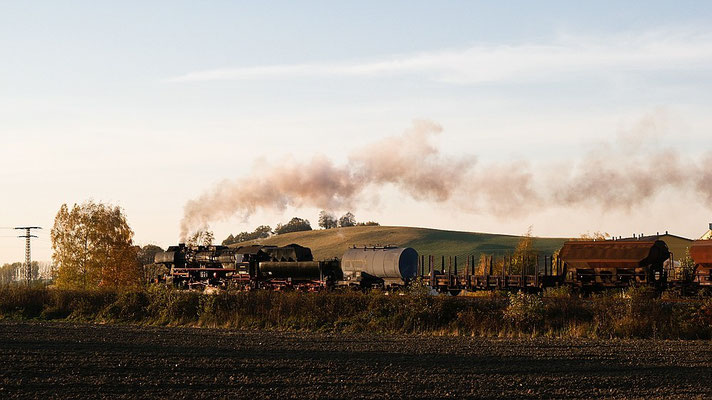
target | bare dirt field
[{"x": 65, "y": 360}]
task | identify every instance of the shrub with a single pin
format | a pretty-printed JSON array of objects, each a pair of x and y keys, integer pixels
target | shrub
[
  {"x": 129, "y": 307},
  {"x": 614, "y": 314},
  {"x": 525, "y": 312}
]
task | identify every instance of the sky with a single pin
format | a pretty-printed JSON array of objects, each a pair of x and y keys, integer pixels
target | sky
[{"x": 150, "y": 105}]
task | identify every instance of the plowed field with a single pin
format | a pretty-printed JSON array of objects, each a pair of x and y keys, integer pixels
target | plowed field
[{"x": 64, "y": 360}]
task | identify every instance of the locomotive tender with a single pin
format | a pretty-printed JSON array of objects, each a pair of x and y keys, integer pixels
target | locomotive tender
[{"x": 586, "y": 265}]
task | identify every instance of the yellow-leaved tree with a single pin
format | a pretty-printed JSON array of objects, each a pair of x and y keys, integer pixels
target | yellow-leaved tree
[
  {"x": 92, "y": 244},
  {"x": 524, "y": 254}
]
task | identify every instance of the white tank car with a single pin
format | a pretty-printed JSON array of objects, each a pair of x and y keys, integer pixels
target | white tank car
[{"x": 375, "y": 266}]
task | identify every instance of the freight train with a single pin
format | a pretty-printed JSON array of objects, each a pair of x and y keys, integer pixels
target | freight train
[{"x": 586, "y": 265}]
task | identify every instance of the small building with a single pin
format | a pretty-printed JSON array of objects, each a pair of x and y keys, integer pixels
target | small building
[
  {"x": 677, "y": 245},
  {"x": 708, "y": 235}
]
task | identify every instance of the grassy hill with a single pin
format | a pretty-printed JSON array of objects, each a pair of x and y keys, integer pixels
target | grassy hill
[{"x": 333, "y": 242}]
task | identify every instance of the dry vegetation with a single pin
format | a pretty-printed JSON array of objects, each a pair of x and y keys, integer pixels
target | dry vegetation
[{"x": 632, "y": 314}]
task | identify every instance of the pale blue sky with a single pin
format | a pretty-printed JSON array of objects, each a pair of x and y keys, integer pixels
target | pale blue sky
[{"x": 148, "y": 104}]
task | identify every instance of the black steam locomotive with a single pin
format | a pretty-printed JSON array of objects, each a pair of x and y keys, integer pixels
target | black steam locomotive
[{"x": 247, "y": 267}]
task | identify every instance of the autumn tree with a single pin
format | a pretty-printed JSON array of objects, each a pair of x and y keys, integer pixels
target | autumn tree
[
  {"x": 92, "y": 247},
  {"x": 347, "y": 219},
  {"x": 483, "y": 264},
  {"x": 327, "y": 220},
  {"x": 687, "y": 266},
  {"x": 523, "y": 253}
]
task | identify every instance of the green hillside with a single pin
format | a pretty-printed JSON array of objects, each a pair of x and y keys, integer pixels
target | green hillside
[{"x": 333, "y": 242}]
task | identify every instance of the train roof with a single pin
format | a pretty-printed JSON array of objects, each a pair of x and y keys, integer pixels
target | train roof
[
  {"x": 701, "y": 251},
  {"x": 626, "y": 254}
]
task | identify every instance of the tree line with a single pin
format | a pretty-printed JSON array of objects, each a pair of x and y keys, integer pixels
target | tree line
[
  {"x": 327, "y": 220},
  {"x": 9, "y": 271}
]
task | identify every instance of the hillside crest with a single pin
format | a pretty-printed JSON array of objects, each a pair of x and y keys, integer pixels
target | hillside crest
[{"x": 330, "y": 243}]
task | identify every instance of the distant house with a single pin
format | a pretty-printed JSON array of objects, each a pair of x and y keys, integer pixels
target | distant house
[
  {"x": 678, "y": 245},
  {"x": 708, "y": 235}
]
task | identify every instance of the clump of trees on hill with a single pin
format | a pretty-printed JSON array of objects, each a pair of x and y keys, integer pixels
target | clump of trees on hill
[
  {"x": 261, "y": 232},
  {"x": 368, "y": 223},
  {"x": 327, "y": 220},
  {"x": 296, "y": 224}
]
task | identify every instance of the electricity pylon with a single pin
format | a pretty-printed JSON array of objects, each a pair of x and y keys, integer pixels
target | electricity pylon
[{"x": 28, "y": 260}]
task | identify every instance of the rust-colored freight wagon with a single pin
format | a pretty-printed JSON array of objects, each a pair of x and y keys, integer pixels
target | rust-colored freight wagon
[
  {"x": 612, "y": 263},
  {"x": 701, "y": 253}
]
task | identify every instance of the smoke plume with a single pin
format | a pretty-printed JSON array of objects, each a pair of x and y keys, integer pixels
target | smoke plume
[
  {"x": 617, "y": 175},
  {"x": 409, "y": 161}
]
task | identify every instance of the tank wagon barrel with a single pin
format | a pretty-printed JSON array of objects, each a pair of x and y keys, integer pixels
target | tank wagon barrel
[{"x": 379, "y": 265}]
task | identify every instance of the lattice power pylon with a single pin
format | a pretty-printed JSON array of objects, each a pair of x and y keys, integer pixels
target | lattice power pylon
[{"x": 28, "y": 260}]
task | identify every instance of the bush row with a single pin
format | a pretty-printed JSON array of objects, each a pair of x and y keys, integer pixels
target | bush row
[{"x": 636, "y": 313}]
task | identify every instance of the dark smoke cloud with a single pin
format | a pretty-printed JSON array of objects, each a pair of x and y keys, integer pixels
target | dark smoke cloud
[{"x": 617, "y": 175}]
